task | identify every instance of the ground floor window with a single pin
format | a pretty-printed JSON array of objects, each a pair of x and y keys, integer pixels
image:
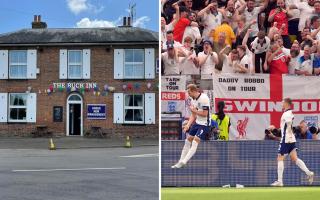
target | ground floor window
[
  {"x": 134, "y": 108},
  {"x": 18, "y": 107}
]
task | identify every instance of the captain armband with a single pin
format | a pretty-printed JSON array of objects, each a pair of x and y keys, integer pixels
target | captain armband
[{"x": 205, "y": 107}]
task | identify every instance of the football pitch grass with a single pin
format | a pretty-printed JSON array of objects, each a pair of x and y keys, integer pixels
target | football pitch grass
[{"x": 251, "y": 193}]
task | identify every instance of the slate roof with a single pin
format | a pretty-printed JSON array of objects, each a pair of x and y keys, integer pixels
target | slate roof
[{"x": 56, "y": 36}]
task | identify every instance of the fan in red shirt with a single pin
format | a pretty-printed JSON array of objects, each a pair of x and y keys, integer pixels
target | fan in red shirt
[
  {"x": 277, "y": 60},
  {"x": 181, "y": 25},
  {"x": 281, "y": 15}
]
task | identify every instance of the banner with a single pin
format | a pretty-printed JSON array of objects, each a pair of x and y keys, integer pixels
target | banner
[
  {"x": 96, "y": 111},
  {"x": 173, "y": 94},
  {"x": 173, "y": 83},
  {"x": 255, "y": 102}
]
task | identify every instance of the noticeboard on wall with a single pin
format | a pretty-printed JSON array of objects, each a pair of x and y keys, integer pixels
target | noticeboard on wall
[
  {"x": 57, "y": 113},
  {"x": 96, "y": 111}
]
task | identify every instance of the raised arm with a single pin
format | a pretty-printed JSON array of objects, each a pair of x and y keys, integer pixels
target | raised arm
[
  {"x": 246, "y": 36},
  {"x": 206, "y": 9},
  {"x": 224, "y": 50},
  {"x": 246, "y": 27},
  {"x": 264, "y": 5},
  {"x": 272, "y": 55},
  {"x": 271, "y": 16},
  {"x": 242, "y": 7},
  {"x": 162, "y": 4},
  {"x": 177, "y": 15}
]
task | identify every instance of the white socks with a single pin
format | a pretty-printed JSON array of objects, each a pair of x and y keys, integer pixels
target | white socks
[
  {"x": 185, "y": 149},
  {"x": 299, "y": 163},
  {"x": 191, "y": 152},
  {"x": 303, "y": 166},
  {"x": 280, "y": 170}
]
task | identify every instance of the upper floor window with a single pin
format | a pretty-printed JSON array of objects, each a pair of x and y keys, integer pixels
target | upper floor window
[
  {"x": 75, "y": 64},
  {"x": 18, "y": 64},
  {"x": 134, "y": 63}
]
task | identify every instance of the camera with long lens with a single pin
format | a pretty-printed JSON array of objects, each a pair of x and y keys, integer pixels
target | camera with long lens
[{"x": 314, "y": 130}]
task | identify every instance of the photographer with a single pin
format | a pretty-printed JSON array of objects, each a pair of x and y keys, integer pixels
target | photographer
[
  {"x": 272, "y": 133},
  {"x": 314, "y": 131},
  {"x": 302, "y": 131}
]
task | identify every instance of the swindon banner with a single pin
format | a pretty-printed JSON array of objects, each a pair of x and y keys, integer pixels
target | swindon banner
[
  {"x": 173, "y": 94},
  {"x": 255, "y": 102}
]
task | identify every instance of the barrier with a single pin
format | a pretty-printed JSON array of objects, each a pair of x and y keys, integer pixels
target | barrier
[{"x": 250, "y": 163}]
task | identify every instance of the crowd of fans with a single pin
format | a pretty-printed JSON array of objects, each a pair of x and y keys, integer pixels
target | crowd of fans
[{"x": 236, "y": 36}]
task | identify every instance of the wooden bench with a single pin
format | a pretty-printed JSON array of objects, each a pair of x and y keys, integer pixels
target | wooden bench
[
  {"x": 41, "y": 130},
  {"x": 97, "y": 131}
]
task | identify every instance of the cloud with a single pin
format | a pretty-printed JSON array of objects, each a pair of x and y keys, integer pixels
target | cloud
[
  {"x": 87, "y": 23},
  {"x": 95, "y": 9},
  {"x": 141, "y": 21},
  {"x": 96, "y": 23},
  {"x": 78, "y": 6}
]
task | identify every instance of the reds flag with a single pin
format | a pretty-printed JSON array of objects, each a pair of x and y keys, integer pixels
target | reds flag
[
  {"x": 255, "y": 102},
  {"x": 173, "y": 94}
]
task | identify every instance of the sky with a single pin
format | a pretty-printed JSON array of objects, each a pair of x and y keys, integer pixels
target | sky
[{"x": 18, "y": 14}]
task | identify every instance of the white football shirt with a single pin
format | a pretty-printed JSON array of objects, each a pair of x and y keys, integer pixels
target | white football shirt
[
  {"x": 287, "y": 135},
  {"x": 207, "y": 68},
  {"x": 202, "y": 103}
]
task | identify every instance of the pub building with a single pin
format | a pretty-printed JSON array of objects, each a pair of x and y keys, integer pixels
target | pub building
[{"x": 68, "y": 81}]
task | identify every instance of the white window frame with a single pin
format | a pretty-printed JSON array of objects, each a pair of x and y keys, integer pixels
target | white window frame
[
  {"x": 133, "y": 108},
  {"x": 13, "y": 106},
  {"x": 125, "y": 76},
  {"x": 19, "y": 64},
  {"x": 70, "y": 64}
]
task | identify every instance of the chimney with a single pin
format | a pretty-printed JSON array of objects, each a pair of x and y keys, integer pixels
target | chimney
[
  {"x": 37, "y": 23},
  {"x": 129, "y": 21},
  {"x": 124, "y": 21}
]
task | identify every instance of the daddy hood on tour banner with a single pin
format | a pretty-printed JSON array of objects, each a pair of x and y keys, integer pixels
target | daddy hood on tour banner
[
  {"x": 255, "y": 102},
  {"x": 173, "y": 94}
]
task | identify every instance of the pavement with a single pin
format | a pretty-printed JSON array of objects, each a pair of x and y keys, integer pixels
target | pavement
[
  {"x": 74, "y": 142},
  {"x": 79, "y": 174}
]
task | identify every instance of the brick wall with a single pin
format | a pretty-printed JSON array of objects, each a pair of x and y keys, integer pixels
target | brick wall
[{"x": 101, "y": 73}]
